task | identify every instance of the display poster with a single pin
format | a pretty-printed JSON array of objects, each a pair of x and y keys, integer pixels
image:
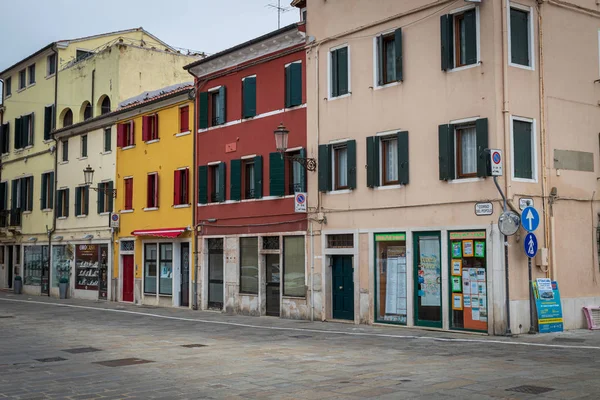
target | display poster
[
  {"x": 87, "y": 269},
  {"x": 456, "y": 284},
  {"x": 395, "y": 302},
  {"x": 474, "y": 289},
  {"x": 466, "y": 300},
  {"x": 429, "y": 272},
  {"x": 456, "y": 267},
  {"x": 474, "y": 312},
  {"x": 456, "y": 250},
  {"x": 548, "y": 305},
  {"x": 480, "y": 274},
  {"x": 466, "y": 283},
  {"x": 457, "y": 302},
  {"x": 467, "y": 248},
  {"x": 479, "y": 249}
]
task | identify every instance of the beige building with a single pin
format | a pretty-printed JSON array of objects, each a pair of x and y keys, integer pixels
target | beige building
[{"x": 404, "y": 100}]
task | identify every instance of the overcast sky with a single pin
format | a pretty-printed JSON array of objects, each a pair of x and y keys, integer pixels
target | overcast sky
[{"x": 203, "y": 25}]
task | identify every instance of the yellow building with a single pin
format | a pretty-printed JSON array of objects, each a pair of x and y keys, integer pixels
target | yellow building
[{"x": 154, "y": 199}]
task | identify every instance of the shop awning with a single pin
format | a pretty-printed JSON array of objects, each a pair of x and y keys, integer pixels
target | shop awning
[{"x": 165, "y": 233}]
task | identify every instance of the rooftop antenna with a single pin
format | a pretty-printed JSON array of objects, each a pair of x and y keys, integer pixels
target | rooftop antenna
[{"x": 280, "y": 10}]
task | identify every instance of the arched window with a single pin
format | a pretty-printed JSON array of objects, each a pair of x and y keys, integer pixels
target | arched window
[
  {"x": 87, "y": 111},
  {"x": 68, "y": 118},
  {"x": 105, "y": 107}
]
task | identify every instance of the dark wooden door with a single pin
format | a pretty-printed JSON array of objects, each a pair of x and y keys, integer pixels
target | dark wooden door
[
  {"x": 128, "y": 278},
  {"x": 215, "y": 274},
  {"x": 427, "y": 278},
  {"x": 185, "y": 275},
  {"x": 10, "y": 265},
  {"x": 343, "y": 288},
  {"x": 273, "y": 281}
]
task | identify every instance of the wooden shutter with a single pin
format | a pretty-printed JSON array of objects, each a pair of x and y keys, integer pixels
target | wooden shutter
[
  {"x": 146, "y": 127},
  {"x": 59, "y": 203},
  {"x": 203, "y": 110},
  {"x": 295, "y": 84},
  {"x": 276, "y": 175},
  {"x": 446, "y": 151},
  {"x": 184, "y": 119},
  {"x": 324, "y": 168},
  {"x": 14, "y": 194},
  {"x": 66, "y": 203},
  {"x": 403, "y": 165},
  {"x": 222, "y": 104},
  {"x": 249, "y": 97},
  {"x": 110, "y": 196},
  {"x": 86, "y": 198},
  {"x": 186, "y": 185},
  {"x": 399, "y": 57},
  {"x": 177, "y": 180},
  {"x": 447, "y": 45},
  {"x": 302, "y": 172},
  {"x": 43, "y": 198},
  {"x": 202, "y": 184},
  {"x": 78, "y": 210},
  {"x": 373, "y": 161},
  {"x": 481, "y": 127},
  {"x": 235, "y": 184},
  {"x": 30, "y": 132},
  {"x": 120, "y": 135},
  {"x": 129, "y": 194},
  {"x": 380, "y": 61},
  {"x": 155, "y": 132},
  {"x": 258, "y": 177},
  {"x": 132, "y": 132},
  {"x": 351, "y": 146},
  {"x": 50, "y": 201},
  {"x": 18, "y": 127},
  {"x": 30, "y": 194},
  {"x": 5, "y": 138},
  {"x": 3, "y": 196},
  {"x": 522, "y": 149},
  {"x": 470, "y": 22},
  {"x": 342, "y": 61},
  {"x": 48, "y": 113},
  {"x": 221, "y": 171},
  {"x": 100, "y": 198},
  {"x": 334, "y": 74},
  {"x": 519, "y": 37},
  {"x": 288, "y": 86}
]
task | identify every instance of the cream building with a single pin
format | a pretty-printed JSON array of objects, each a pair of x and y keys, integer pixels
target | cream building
[{"x": 404, "y": 100}]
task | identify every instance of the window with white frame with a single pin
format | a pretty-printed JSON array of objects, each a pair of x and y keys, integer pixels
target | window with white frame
[
  {"x": 388, "y": 59},
  {"x": 523, "y": 149},
  {"x": 339, "y": 71},
  {"x": 460, "y": 38},
  {"x": 462, "y": 146},
  {"x": 51, "y": 64},
  {"x": 340, "y": 167},
  {"x": 520, "y": 25},
  {"x": 158, "y": 268}
]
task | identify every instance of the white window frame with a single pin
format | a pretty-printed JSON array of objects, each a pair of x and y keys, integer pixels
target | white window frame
[
  {"x": 158, "y": 242},
  {"x": 391, "y": 135},
  {"x": 48, "y": 74},
  {"x": 376, "y": 85},
  {"x": 29, "y": 75},
  {"x": 334, "y": 144},
  {"x": 534, "y": 155},
  {"x": 329, "y": 64},
  {"x": 155, "y": 195},
  {"x": 478, "y": 35},
  {"x": 528, "y": 9}
]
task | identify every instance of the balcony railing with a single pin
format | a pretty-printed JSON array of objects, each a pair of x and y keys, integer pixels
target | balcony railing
[
  {"x": 10, "y": 218},
  {"x": 249, "y": 194},
  {"x": 295, "y": 188}
]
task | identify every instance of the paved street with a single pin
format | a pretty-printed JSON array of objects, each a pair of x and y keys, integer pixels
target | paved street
[{"x": 83, "y": 346}]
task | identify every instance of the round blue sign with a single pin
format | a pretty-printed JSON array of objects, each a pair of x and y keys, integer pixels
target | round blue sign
[
  {"x": 496, "y": 157},
  {"x": 531, "y": 245},
  {"x": 530, "y": 219},
  {"x": 300, "y": 198}
]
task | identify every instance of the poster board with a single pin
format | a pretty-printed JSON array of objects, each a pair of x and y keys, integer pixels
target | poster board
[{"x": 548, "y": 305}]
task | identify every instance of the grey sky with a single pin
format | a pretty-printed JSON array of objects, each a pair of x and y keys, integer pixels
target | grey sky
[{"x": 204, "y": 25}]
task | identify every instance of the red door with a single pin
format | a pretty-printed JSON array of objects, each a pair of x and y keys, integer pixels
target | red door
[{"x": 128, "y": 278}]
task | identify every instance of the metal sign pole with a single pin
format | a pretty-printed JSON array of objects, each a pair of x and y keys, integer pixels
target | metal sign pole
[
  {"x": 531, "y": 299},
  {"x": 508, "y": 331}
]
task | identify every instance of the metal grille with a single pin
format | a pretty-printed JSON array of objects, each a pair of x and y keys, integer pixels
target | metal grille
[
  {"x": 123, "y": 362},
  {"x": 215, "y": 244},
  {"x": 80, "y": 350},
  {"x": 340, "y": 241},
  {"x": 270, "y": 243},
  {"x": 529, "y": 389},
  {"x": 127, "y": 245},
  {"x": 50, "y": 359},
  {"x": 191, "y": 346}
]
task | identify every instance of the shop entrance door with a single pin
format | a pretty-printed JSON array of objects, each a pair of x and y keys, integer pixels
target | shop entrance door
[
  {"x": 128, "y": 278},
  {"x": 343, "y": 288},
  {"x": 215, "y": 274},
  {"x": 10, "y": 265},
  {"x": 428, "y": 279},
  {"x": 273, "y": 279},
  {"x": 185, "y": 275}
]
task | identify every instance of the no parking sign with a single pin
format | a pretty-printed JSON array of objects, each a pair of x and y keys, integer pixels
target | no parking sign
[{"x": 300, "y": 203}]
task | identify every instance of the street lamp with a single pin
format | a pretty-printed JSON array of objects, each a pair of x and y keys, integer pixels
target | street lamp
[
  {"x": 88, "y": 179},
  {"x": 281, "y": 143}
]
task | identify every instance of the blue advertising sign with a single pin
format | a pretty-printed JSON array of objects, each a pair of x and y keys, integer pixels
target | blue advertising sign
[
  {"x": 549, "y": 308},
  {"x": 531, "y": 245},
  {"x": 530, "y": 219}
]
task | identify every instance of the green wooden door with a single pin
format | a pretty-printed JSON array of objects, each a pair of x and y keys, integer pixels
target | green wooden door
[
  {"x": 427, "y": 279},
  {"x": 343, "y": 288}
]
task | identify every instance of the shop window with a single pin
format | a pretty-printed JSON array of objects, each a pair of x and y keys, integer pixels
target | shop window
[
  {"x": 462, "y": 150},
  {"x": 125, "y": 134},
  {"x": 128, "y": 188},
  {"x": 166, "y": 269},
  {"x": 389, "y": 57},
  {"x": 459, "y": 39},
  {"x": 152, "y": 191},
  {"x": 35, "y": 263},
  {"x": 150, "y": 127},
  {"x": 158, "y": 272},
  {"x": 150, "y": 264},
  {"x": 249, "y": 265},
  {"x": 391, "y": 277},
  {"x": 294, "y": 266},
  {"x": 87, "y": 266},
  {"x": 184, "y": 119},
  {"x": 340, "y": 241},
  {"x": 468, "y": 280},
  {"x": 181, "y": 187}
]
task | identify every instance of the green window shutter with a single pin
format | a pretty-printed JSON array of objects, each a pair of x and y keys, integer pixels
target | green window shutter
[
  {"x": 110, "y": 196},
  {"x": 295, "y": 84},
  {"x": 403, "y": 164},
  {"x": 288, "y": 86},
  {"x": 399, "y": 58},
  {"x": 203, "y": 110},
  {"x": 447, "y": 35},
  {"x": 66, "y": 203},
  {"x": 342, "y": 71},
  {"x": 86, "y": 206},
  {"x": 203, "y": 184},
  {"x": 43, "y": 198},
  {"x": 222, "y": 104},
  {"x": 59, "y": 203},
  {"x": 519, "y": 37},
  {"x": 235, "y": 184},
  {"x": 446, "y": 152},
  {"x": 522, "y": 149},
  {"x": 100, "y": 197},
  {"x": 30, "y": 195},
  {"x": 334, "y": 73},
  {"x": 18, "y": 127},
  {"x": 372, "y": 161},
  {"x": 48, "y": 113},
  {"x": 324, "y": 167},
  {"x": 380, "y": 62},
  {"x": 276, "y": 175},
  {"x": 14, "y": 195},
  {"x": 351, "y": 163},
  {"x": 302, "y": 172},
  {"x": 258, "y": 177},
  {"x": 2, "y": 196},
  {"x": 32, "y": 129},
  {"x": 471, "y": 36},
  {"x": 249, "y": 93},
  {"x": 25, "y": 127},
  {"x": 222, "y": 194},
  {"x": 50, "y": 203},
  {"x": 481, "y": 127},
  {"x": 78, "y": 210}
]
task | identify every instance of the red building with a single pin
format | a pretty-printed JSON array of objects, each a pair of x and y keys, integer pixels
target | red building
[{"x": 251, "y": 242}]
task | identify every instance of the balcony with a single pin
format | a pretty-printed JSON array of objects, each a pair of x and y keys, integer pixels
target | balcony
[
  {"x": 295, "y": 188},
  {"x": 10, "y": 218}
]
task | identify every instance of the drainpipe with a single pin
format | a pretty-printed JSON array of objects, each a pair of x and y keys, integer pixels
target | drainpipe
[
  {"x": 195, "y": 204},
  {"x": 93, "y": 87},
  {"x": 51, "y": 231}
]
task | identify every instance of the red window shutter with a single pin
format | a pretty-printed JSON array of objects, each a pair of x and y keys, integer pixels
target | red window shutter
[
  {"x": 186, "y": 178},
  {"x": 156, "y": 190},
  {"x": 121, "y": 135},
  {"x": 154, "y": 134},
  {"x": 177, "y": 188},
  {"x": 129, "y": 194},
  {"x": 131, "y": 133},
  {"x": 145, "y": 128},
  {"x": 184, "y": 119},
  {"x": 150, "y": 192}
]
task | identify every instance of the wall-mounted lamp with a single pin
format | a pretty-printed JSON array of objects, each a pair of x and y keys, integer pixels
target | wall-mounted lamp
[{"x": 88, "y": 237}]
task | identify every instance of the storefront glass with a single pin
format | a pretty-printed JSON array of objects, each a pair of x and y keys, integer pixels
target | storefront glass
[
  {"x": 293, "y": 266},
  {"x": 150, "y": 261},
  {"x": 87, "y": 266},
  {"x": 35, "y": 262},
  {"x": 249, "y": 265},
  {"x": 468, "y": 276},
  {"x": 166, "y": 269},
  {"x": 61, "y": 264},
  {"x": 390, "y": 277}
]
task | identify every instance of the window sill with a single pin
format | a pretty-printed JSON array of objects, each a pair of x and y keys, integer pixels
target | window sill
[
  {"x": 63, "y": 162},
  {"x": 5, "y": 154},
  {"x": 61, "y": 218},
  {"x": 82, "y": 158},
  {"x": 50, "y": 76},
  {"x": 477, "y": 64},
  {"x": 126, "y": 211},
  {"x": 180, "y": 134},
  {"x": 339, "y": 97},
  {"x": 387, "y": 85},
  {"x": 47, "y": 141},
  {"x": 181, "y": 206},
  {"x": 46, "y": 210},
  {"x": 248, "y": 294},
  {"x": 21, "y": 89},
  {"x": 8, "y": 96},
  {"x": 342, "y": 191},
  {"x": 152, "y": 141},
  {"x": 81, "y": 216},
  {"x": 466, "y": 180},
  {"x": 293, "y": 297},
  {"x": 524, "y": 180},
  {"x": 128, "y": 147},
  {"x": 388, "y": 187},
  {"x": 150, "y": 209},
  {"x": 26, "y": 212},
  {"x": 525, "y": 67},
  {"x": 296, "y": 107},
  {"x": 104, "y": 153},
  {"x": 31, "y": 85}
]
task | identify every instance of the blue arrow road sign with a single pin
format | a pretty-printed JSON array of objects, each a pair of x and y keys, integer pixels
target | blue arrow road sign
[
  {"x": 531, "y": 245},
  {"x": 530, "y": 219}
]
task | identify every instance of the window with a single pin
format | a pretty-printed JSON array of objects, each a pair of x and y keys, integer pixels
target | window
[
  {"x": 105, "y": 106},
  {"x": 82, "y": 55},
  {"x": 389, "y": 57},
  {"x": 105, "y": 197},
  {"x": 65, "y": 149},
  {"x": 215, "y": 180},
  {"x": 48, "y": 121},
  {"x": 293, "y": 84},
  {"x": 68, "y": 118},
  {"x": 35, "y": 260},
  {"x": 107, "y": 139},
  {"x": 213, "y": 104},
  {"x": 293, "y": 266},
  {"x": 128, "y": 189},
  {"x": 387, "y": 160},
  {"x": 249, "y": 97},
  {"x": 340, "y": 241},
  {"x": 337, "y": 166},
  {"x": 31, "y": 70},
  {"x": 23, "y": 192},
  {"x": 390, "y": 277},
  {"x": 82, "y": 201},
  {"x": 212, "y": 185},
  {"x": 303, "y": 14},
  {"x": 158, "y": 272},
  {"x": 84, "y": 142},
  {"x": 150, "y": 261},
  {"x": 46, "y": 201},
  {"x": 22, "y": 79},
  {"x": 181, "y": 185},
  {"x": 523, "y": 149},
  {"x": 339, "y": 72},
  {"x": 149, "y": 127},
  {"x": 216, "y": 108},
  {"x": 51, "y": 65},
  {"x": 125, "y": 134},
  {"x": 184, "y": 119},
  {"x": 459, "y": 39},
  {"x": 166, "y": 269},
  {"x": 520, "y": 27},
  {"x": 7, "y": 87},
  {"x": 152, "y": 191},
  {"x": 462, "y": 150},
  {"x": 24, "y": 129},
  {"x": 87, "y": 111},
  {"x": 340, "y": 167},
  {"x": 249, "y": 265},
  {"x": 296, "y": 175},
  {"x": 248, "y": 179},
  {"x": 4, "y": 138}
]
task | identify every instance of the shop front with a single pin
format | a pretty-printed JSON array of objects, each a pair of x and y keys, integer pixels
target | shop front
[
  {"x": 90, "y": 278},
  {"x": 390, "y": 278},
  {"x": 35, "y": 269}
]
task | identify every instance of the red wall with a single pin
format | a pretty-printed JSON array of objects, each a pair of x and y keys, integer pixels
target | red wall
[{"x": 253, "y": 136}]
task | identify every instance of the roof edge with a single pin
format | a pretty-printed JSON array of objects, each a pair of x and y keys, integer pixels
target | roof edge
[{"x": 29, "y": 57}]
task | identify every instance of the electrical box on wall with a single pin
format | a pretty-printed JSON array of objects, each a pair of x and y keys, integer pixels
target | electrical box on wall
[{"x": 541, "y": 259}]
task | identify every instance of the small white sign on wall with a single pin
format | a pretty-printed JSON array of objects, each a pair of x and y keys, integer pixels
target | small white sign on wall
[{"x": 300, "y": 203}]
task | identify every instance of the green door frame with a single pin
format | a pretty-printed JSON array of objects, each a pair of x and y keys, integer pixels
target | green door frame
[{"x": 416, "y": 236}]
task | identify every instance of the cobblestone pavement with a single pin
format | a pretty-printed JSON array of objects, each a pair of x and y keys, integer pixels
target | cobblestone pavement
[{"x": 239, "y": 357}]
